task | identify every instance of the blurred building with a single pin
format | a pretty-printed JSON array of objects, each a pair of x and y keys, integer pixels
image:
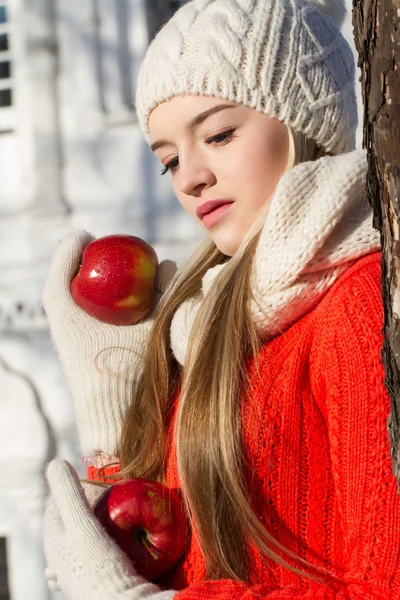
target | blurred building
[{"x": 71, "y": 157}]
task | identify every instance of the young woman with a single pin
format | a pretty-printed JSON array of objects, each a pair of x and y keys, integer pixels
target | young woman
[{"x": 256, "y": 386}]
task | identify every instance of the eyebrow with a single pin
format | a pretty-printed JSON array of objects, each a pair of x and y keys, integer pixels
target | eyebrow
[{"x": 195, "y": 122}]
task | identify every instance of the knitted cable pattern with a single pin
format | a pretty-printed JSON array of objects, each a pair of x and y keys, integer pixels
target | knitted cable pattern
[
  {"x": 317, "y": 454},
  {"x": 282, "y": 57}
]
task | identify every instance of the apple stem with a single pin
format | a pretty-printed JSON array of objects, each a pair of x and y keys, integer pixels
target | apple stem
[
  {"x": 78, "y": 268},
  {"x": 142, "y": 538}
]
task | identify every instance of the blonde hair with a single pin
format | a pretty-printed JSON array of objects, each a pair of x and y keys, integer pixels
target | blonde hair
[{"x": 207, "y": 431}]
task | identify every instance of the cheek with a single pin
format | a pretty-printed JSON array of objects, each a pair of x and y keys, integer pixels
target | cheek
[{"x": 258, "y": 168}]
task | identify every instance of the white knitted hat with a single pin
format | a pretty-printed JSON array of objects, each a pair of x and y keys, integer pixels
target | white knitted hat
[{"x": 282, "y": 57}]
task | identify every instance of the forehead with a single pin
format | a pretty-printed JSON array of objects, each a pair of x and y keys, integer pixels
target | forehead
[{"x": 181, "y": 110}]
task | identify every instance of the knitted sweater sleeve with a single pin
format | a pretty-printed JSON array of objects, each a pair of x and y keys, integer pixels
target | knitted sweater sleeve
[{"x": 349, "y": 383}]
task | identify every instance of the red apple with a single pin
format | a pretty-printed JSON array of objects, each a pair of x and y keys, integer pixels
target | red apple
[
  {"x": 115, "y": 280},
  {"x": 147, "y": 521}
]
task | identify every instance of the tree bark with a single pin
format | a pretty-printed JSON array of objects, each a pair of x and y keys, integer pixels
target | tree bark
[
  {"x": 377, "y": 37},
  {"x": 158, "y": 12}
]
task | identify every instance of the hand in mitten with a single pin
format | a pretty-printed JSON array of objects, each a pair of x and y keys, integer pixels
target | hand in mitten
[
  {"x": 102, "y": 362},
  {"x": 82, "y": 560},
  {"x": 92, "y": 491}
]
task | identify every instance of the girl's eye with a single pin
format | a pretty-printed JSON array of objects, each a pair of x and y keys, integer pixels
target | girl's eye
[
  {"x": 221, "y": 138},
  {"x": 171, "y": 166}
]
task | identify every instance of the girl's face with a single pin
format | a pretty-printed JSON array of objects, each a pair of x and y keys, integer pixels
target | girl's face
[{"x": 225, "y": 160}]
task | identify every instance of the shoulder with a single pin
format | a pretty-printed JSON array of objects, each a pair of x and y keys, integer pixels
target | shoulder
[
  {"x": 356, "y": 295},
  {"x": 345, "y": 355},
  {"x": 348, "y": 322}
]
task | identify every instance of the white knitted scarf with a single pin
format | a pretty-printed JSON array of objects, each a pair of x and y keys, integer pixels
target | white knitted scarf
[{"x": 318, "y": 223}]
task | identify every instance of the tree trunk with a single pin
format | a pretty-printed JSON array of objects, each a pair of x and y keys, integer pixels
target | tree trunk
[
  {"x": 158, "y": 12},
  {"x": 377, "y": 37}
]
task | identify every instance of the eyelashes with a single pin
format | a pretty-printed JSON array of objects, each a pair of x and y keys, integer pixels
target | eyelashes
[
  {"x": 169, "y": 166},
  {"x": 220, "y": 139}
]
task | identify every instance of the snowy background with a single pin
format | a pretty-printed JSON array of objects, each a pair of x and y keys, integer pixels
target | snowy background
[{"x": 72, "y": 157}]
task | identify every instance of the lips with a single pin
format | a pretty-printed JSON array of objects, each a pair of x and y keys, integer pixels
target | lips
[
  {"x": 209, "y": 206},
  {"x": 214, "y": 217}
]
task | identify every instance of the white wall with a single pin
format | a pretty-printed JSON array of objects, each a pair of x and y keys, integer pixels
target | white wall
[{"x": 74, "y": 159}]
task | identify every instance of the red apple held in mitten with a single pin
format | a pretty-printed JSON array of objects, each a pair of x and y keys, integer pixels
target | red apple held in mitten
[
  {"x": 147, "y": 521},
  {"x": 115, "y": 280}
]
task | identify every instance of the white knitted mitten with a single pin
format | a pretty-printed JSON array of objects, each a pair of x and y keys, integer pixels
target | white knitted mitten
[
  {"x": 82, "y": 560},
  {"x": 102, "y": 362},
  {"x": 92, "y": 491}
]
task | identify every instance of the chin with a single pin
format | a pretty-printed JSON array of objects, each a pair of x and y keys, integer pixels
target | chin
[{"x": 227, "y": 247}]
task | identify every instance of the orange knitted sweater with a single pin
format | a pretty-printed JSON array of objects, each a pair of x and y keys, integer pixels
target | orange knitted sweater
[{"x": 319, "y": 456}]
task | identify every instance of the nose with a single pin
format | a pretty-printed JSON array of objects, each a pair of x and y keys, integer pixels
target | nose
[{"x": 194, "y": 175}]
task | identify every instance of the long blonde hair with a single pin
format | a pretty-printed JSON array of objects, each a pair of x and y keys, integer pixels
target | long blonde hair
[{"x": 207, "y": 432}]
